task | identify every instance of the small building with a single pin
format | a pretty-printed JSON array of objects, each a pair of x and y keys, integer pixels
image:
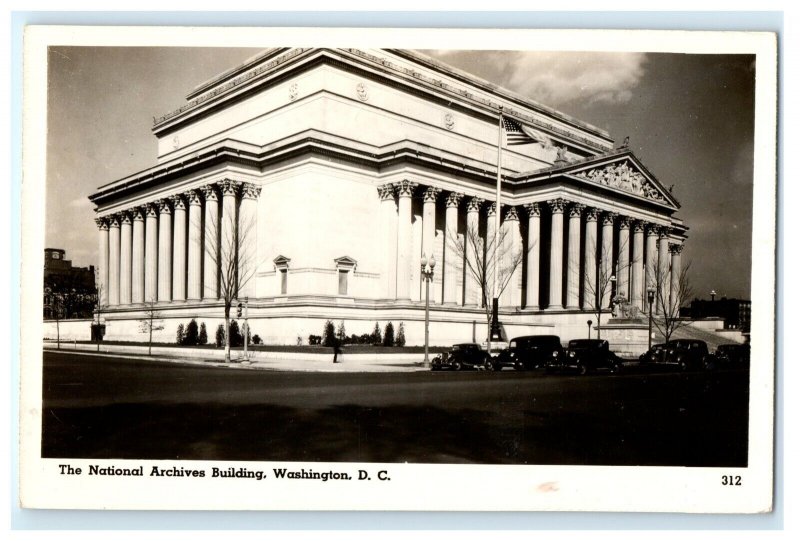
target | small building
[{"x": 70, "y": 290}]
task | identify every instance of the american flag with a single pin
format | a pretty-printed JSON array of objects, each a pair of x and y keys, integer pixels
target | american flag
[{"x": 517, "y": 134}]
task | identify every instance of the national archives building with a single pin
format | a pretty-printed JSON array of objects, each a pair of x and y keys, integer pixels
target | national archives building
[{"x": 345, "y": 167}]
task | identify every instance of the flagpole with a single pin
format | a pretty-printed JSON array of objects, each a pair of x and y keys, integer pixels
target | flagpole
[{"x": 498, "y": 209}]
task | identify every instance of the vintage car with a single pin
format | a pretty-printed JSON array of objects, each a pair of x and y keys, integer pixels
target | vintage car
[
  {"x": 586, "y": 355},
  {"x": 528, "y": 352},
  {"x": 732, "y": 355},
  {"x": 460, "y": 356},
  {"x": 684, "y": 354},
  {"x": 655, "y": 354}
]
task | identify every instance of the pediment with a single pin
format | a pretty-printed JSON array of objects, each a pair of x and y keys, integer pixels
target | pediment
[
  {"x": 345, "y": 262},
  {"x": 281, "y": 262}
]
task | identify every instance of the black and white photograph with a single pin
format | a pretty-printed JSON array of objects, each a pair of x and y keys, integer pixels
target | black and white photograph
[{"x": 365, "y": 271}]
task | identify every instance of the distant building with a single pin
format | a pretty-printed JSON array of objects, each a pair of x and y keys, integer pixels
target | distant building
[
  {"x": 736, "y": 312},
  {"x": 70, "y": 290}
]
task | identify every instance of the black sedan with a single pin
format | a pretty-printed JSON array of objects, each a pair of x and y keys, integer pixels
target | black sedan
[
  {"x": 461, "y": 356},
  {"x": 585, "y": 356}
]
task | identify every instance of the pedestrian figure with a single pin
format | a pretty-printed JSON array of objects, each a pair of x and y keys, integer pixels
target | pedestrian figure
[{"x": 337, "y": 349}]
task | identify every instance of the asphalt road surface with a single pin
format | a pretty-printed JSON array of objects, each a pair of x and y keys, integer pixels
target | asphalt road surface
[{"x": 101, "y": 407}]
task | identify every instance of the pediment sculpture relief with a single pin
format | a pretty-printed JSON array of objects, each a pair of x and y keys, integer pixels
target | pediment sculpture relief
[{"x": 625, "y": 178}]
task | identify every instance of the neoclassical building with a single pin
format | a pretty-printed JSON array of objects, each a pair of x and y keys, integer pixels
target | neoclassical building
[{"x": 345, "y": 167}]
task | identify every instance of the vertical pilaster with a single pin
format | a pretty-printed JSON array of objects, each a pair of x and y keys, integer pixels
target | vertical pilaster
[
  {"x": 164, "y": 251},
  {"x": 179, "y": 249},
  {"x": 389, "y": 231},
  {"x": 607, "y": 259},
  {"x": 472, "y": 246},
  {"x": 151, "y": 254},
  {"x": 532, "y": 252},
  {"x": 248, "y": 239},
  {"x": 574, "y": 257},
  {"x": 623, "y": 263},
  {"x": 137, "y": 257},
  {"x": 590, "y": 291},
  {"x": 405, "y": 190},
  {"x": 102, "y": 271},
  {"x": 113, "y": 261},
  {"x": 556, "y": 252},
  {"x": 451, "y": 267},
  {"x": 637, "y": 265},
  {"x": 125, "y": 239},
  {"x": 211, "y": 239},
  {"x": 195, "y": 255}
]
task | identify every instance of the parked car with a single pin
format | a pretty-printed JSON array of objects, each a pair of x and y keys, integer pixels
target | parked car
[
  {"x": 655, "y": 354},
  {"x": 683, "y": 354},
  {"x": 586, "y": 355},
  {"x": 460, "y": 356},
  {"x": 733, "y": 355},
  {"x": 528, "y": 352}
]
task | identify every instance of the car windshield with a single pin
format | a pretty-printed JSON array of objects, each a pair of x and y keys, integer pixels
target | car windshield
[{"x": 512, "y": 344}]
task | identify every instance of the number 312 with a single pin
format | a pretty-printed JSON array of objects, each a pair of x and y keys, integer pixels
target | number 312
[{"x": 732, "y": 480}]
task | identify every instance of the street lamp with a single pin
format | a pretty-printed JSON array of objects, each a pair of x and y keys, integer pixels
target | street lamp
[
  {"x": 713, "y": 294},
  {"x": 426, "y": 268},
  {"x": 651, "y": 294},
  {"x": 589, "y": 324}
]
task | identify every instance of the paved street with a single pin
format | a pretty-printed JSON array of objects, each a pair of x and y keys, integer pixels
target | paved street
[{"x": 96, "y": 407}]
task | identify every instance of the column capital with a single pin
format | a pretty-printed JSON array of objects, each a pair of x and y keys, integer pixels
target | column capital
[
  {"x": 625, "y": 222},
  {"x": 210, "y": 193},
  {"x": 193, "y": 197},
  {"x": 576, "y": 210},
  {"x": 430, "y": 194},
  {"x": 474, "y": 204},
  {"x": 675, "y": 248},
  {"x": 405, "y": 188},
  {"x": 663, "y": 232},
  {"x": 229, "y": 187},
  {"x": 511, "y": 214},
  {"x": 492, "y": 210},
  {"x": 386, "y": 192},
  {"x": 178, "y": 202},
  {"x": 250, "y": 190},
  {"x": 113, "y": 220},
  {"x": 609, "y": 217},
  {"x": 151, "y": 210},
  {"x": 652, "y": 229},
  {"x": 138, "y": 214},
  {"x": 102, "y": 223},
  {"x": 638, "y": 226},
  {"x": 534, "y": 209},
  {"x": 125, "y": 218},
  {"x": 453, "y": 199},
  {"x": 592, "y": 214},
  {"x": 557, "y": 206},
  {"x": 163, "y": 206}
]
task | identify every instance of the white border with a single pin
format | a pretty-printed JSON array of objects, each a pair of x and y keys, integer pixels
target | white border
[{"x": 413, "y": 486}]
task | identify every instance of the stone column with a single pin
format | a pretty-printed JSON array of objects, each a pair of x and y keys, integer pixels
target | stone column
[
  {"x": 623, "y": 264},
  {"x": 195, "y": 263},
  {"x": 151, "y": 254},
  {"x": 137, "y": 257},
  {"x": 532, "y": 253},
  {"x": 675, "y": 277},
  {"x": 248, "y": 239},
  {"x": 556, "y": 252},
  {"x": 179, "y": 249},
  {"x": 125, "y": 238},
  {"x": 405, "y": 189},
  {"x": 113, "y": 261},
  {"x": 102, "y": 271},
  {"x": 211, "y": 236},
  {"x": 229, "y": 243},
  {"x": 590, "y": 290},
  {"x": 451, "y": 267},
  {"x": 472, "y": 246},
  {"x": 662, "y": 278},
  {"x": 512, "y": 258},
  {"x": 606, "y": 259},
  {"x": 164, "y": 251},
  {"x": 389, "y": 233},
  {"x": 574, "y": 257},
  {"x": 637, "y": 288},
  {"x": 429, "y": 197},
  {"x": 492, "y": 255},
  {"x": 651, "y": 261}
]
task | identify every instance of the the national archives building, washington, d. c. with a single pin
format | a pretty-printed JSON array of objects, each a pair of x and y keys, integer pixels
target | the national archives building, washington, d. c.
[{"x": 327, "y": 175}]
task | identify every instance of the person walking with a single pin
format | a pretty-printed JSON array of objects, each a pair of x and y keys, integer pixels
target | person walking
[{"x": 337, "y": 349}]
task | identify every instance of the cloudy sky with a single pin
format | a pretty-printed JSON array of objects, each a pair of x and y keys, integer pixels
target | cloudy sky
[{"x": 689, "y": 117}]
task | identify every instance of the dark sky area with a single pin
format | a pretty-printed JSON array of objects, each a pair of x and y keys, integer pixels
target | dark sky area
[{"x": 689, "y": 117}]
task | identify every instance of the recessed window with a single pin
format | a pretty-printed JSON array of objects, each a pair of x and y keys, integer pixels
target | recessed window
[
  {"x": 282, "y": 268},
  {"x": 344, "y": 266},
  {"x": 284, "y": 276},
  {"x": 343, "y": 282}
]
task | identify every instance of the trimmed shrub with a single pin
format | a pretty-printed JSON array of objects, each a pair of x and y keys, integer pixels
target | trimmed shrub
[
  {"x": 256, "y": 339},
  {"x": 328, "y": 335},
  {"x": 236, "y": 338},
  {"x": 180, "y": 335},
  {"x": 401, "y": 336},
  {"x": 314, "y": 340},
  {"x": 375, "y": 338},
  {"x": 190, "y": 337},
  {"x": 341, "y": 334},
  {"x": 388, "y": 335},
  {"x": 202, "y": 336},
  {"x": 219, "y": 339}
]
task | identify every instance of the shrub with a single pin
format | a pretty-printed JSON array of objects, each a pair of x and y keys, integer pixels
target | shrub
[
  {"x": 341, "y": 334},
  {"x": 180, "y": 335},
  {"x": 328, "y": 335},
  {"x": 314, "y": 340},
  {"x": 256, "y": 339},
  {"x": 375, "y": 338},
  {"x": 401, "y": 336},
  {"x": 235, "y": 335},
  {"x": 388, "y": 335},
  {"x": 190, "y": 337},
  {"x": 202, "y": 337},
  {"x": 365, "y": 339},
  {"x": 219, "y": 339}
]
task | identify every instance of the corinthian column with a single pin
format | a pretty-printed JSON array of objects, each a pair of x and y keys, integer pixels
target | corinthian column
[
  {"x": 389, "y": 230},
  {"x": 194, "y": 278},
  {"x": 113, "y": 261},
  {"x": 102, "y": 272},
  {"x": 179, "y": 249},
  {"x": 590, "y": 291},
  {"x": 229, "y": 241},
  {"x": 451, "y": 267},
  {"x": 212, "y": 243},
  {"x": 675, "y": 275},
  {"x": 125, "y": 259},
  {"x": 556, "y": 251},
  {"x": 651, "y": 257},
  {"x": 574, "y": 257},
  {"x": 164, "y": 251},
  {"x": 662, "y": 277},
  {"x": 532, "y": 253},
  {"x": 493, "y": 252},
  {"x": 151, "y": 254},
  {"x": 404, "y": 191},
  {"x": 607, "y": 259},
  {"x": 512, "y": 258},
  {"x": 248, "y": 239},
  {"x": 137, "y": 257},
  {"x": 623, "y": 265},
  {"x": 637, "y": 265},
  {"x": 472, "y": 246}
]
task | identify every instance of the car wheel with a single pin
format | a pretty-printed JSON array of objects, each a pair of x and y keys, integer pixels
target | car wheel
[
  {"x": 582, "y": 369},
  {"x": 487, "y": 364},
  {"x": 457, "y": 365},
  {"x": 615, "y": 368},
  {"x": 683, "y": 366}
]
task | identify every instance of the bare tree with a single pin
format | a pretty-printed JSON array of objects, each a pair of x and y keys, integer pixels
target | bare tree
[
  {"x": 482, "y": 261},
  {"x": 230, "y": 247},
  {"x": 152, "y": 322},
  {"x": 98, "y": 306},
  {"x": 53, "y": 300},
  {"x": 671, "y": 292}
]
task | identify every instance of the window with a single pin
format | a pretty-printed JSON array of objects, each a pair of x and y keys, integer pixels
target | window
[
  {"x": 343, "y": 282},
  {"x": 284, "y": 275},
  {"x": 282, "y": 268},
  {"x": 344, "y": 266}
]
